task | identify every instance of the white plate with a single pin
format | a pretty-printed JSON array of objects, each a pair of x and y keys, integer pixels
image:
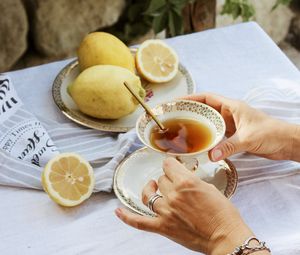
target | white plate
[
  {"x": 180, "y": 86},
  {"x": 140, "y": 167}
]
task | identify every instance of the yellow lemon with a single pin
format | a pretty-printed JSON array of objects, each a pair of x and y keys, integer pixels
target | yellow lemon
[
  {"x": 99, "y": 91},
  {"x": 100, "y": 48},
  {"x": 156, "y": 61},
  {"x": 68, "y": 179}
]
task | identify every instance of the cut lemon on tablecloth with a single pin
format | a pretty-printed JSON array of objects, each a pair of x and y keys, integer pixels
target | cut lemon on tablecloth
[
  {"x": 156, "y": 61},
  {"x": 68, "y": 179}
]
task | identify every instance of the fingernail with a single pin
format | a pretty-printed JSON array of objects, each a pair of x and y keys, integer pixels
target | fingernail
[
  {"x": 217, "y": 155},
  {"x": 165, "y": 162},
  {"x": 118, "y": 212}
]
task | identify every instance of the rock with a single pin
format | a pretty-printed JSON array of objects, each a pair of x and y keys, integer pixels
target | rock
[
  {"x": 13, "y": 33},
  {"x": 33, "y": 58},
  {"x": 294, "y": 33},
  {"x": 59, "y": 26},
  {"x": 292, "y": 53},
  {"x": 275, "y": 23}
]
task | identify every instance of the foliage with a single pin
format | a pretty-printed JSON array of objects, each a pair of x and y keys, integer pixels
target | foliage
[
  {"x": 167, "y": 14},
  {"x": 244, "y": 9},
  {"x": 133, "y": 22},
  {"x": 284, "y": 2},
  {"x": 239, "y": 8},
  {"x": 140, "y": 16}
]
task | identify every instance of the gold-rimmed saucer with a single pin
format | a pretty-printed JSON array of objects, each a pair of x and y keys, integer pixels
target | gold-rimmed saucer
[
  {"x": 181, "y": 85},
  {"x": 140, "y": 167}
]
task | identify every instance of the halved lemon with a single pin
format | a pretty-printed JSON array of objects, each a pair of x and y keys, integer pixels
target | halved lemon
[
  {"x": 156, "y": 61},
  {"x": 68, "y": 179}
]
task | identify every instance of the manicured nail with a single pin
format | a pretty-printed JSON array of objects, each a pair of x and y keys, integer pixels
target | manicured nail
[
  {"x": 118, "y": 212},
  {"x": 217, "y": 155}
]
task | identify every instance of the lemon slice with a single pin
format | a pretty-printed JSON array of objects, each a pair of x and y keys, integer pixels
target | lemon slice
[
  {"x": 156, "y": 61},
  {"x": 68, "y": 179}
]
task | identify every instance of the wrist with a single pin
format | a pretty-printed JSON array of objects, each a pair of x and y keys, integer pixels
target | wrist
[
  {"x": 251, "y": 245},
  {"x": 288, "y": 137},
  {"x": 225, "y": 240},
  {"x": 295, "y": 144}
]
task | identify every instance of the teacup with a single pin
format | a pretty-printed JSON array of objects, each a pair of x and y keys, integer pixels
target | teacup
[{"x": 182, "y": 110}]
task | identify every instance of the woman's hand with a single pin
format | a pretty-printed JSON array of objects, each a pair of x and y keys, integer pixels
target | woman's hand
[
  {"x": 252, "y": 131},
  {"x": 191, "y": 212}
]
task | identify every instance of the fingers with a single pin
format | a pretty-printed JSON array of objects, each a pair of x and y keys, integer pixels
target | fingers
[
  {"x": 164, "y": 185},
  {"x": 210, "y": 99},
  {"x": 174, "y": 170},
  {"x": 138, "y": 221},
  {"x": 227, "y": 148},
  {"x": 150, "y": 190}
]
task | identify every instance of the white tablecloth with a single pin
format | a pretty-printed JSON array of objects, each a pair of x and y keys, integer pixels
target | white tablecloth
[{"x": 228, "y": 61}]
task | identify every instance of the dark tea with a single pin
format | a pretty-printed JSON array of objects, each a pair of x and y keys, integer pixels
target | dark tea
[{"x": 181, "y": 136}]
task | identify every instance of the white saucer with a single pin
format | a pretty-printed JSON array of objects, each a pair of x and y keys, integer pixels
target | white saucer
[
  {"x": 135, "y": 171},
  {"x": 181, "y": 85}
]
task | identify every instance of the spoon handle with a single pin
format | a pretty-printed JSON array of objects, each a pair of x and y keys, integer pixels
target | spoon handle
[{"x": 146, "y": 107}]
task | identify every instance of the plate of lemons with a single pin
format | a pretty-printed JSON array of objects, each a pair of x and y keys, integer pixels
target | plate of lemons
[{"x": 90, "y": 90}]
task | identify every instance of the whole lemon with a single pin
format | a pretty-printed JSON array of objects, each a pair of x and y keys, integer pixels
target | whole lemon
[
  {"x": 100, "y": 48},
  {"x": 99, "y": 91}
]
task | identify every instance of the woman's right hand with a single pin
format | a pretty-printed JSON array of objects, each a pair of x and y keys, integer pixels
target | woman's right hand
[
  {"x": 251, "y": 130},
  {"x": 190, "y": 212}
]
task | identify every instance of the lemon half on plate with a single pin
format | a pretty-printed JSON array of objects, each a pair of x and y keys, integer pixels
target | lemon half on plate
[
  {"x": 156, "y": 61},
  {"x": 182, "y": 84},
  {"x": 68, "y": 179}
]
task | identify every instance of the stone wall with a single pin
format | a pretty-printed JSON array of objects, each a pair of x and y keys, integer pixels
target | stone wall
[
  {"x": 276, "y": 23},
  {"x": 34, "y": 32},
  {"x": 13, "y": 32},
  {"x": 38, "y": 31}
]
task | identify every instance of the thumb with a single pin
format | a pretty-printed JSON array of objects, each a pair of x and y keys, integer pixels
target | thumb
[{"x": 226, "y": 148}]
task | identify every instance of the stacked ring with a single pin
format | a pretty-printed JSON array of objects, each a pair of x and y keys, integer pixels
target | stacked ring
[{"x": 152, "y": 200}]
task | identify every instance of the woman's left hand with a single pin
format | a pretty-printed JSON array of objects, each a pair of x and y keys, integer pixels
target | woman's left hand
[{"x": 191, "y": 212}]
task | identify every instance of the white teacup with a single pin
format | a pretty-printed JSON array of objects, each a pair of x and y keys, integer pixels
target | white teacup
[{"x": 184, "y": 109}]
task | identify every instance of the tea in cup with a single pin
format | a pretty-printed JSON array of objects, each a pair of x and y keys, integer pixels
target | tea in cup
[
  {"x": 192, "y": 129},
  {"x": 181, "y": 136}
]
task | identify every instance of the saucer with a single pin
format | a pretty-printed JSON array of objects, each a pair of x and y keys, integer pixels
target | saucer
[
  {"x": 181, "y": 85},
  {"x": 135, "y": 171}
]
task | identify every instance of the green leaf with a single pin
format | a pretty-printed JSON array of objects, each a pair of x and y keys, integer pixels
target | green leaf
[
  {"x": 160, "y": 22},
  {"x": 171, "y": 25},
  {"x": 132, "y": 22},
  {"x": 236, "y": 11},
  {"x": 179, "y": 4},
  {"x": 156, "y": 6},
  {"x": 279, "y": 2},
  {"x": 239, "y": 8},
  {"x": 175, "y": 24},
  {"x": 134, "y": 11}
]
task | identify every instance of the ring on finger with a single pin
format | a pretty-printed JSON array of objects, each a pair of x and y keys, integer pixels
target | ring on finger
[{"x": 152, "y": 200}]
